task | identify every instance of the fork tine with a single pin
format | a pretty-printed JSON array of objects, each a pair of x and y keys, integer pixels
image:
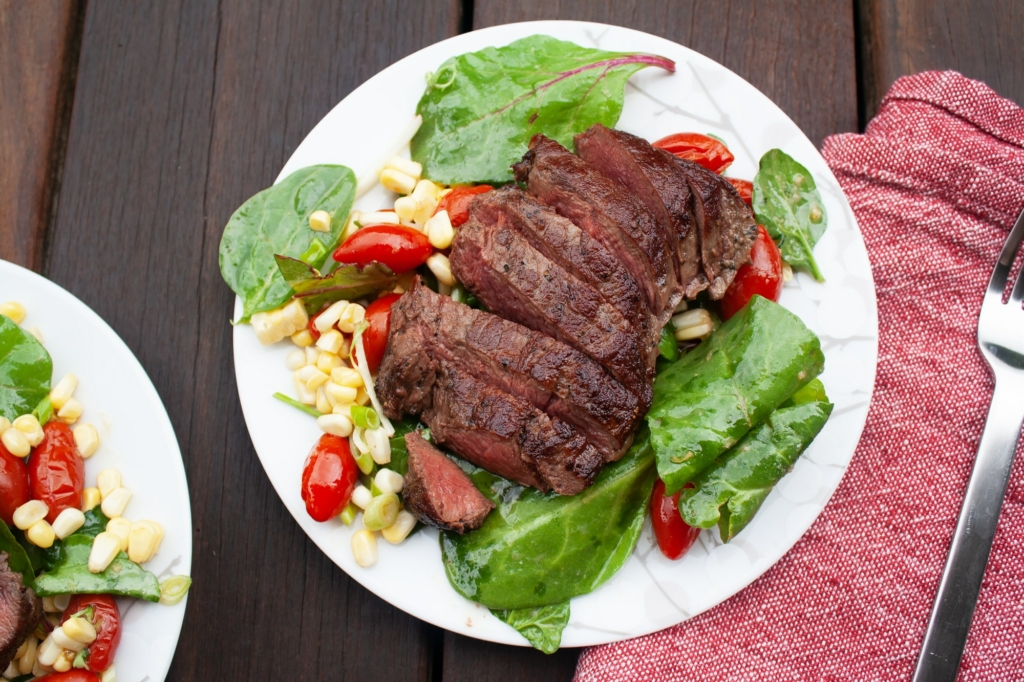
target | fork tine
[
  {"x": 997, "y": 284},
  {"x": 1017, "y": 296}
]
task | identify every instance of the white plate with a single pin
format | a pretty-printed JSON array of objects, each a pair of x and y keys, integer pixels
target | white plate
[
  {"x": 650, "y": 592},
  {"x": 136, "y": 438}
]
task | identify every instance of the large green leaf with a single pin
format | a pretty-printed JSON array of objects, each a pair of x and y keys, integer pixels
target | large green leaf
[
  {"x": 541, "y": 626},
  {"x": 538, "y": 549},
  {"x": 276, "y": 221},
  {"x": 704, "y": 403},
  {"x": 481, "y": 108},
  {"x": 71, "y": 575},
  {"x": 25, "y": 370},
  {"x": 17, "y": 559}
]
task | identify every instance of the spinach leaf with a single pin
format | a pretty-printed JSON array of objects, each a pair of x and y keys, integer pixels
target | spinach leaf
[
  {"x": 17, "y": 559},
  {"x": 787, "y": 202},
  {"x": 538, "y": 549},
  {"x": 481, "y": 108},
  {"x": 71, "y": 575},
  {"x": 721, "y": 389},
  {"x": 399, "y": 452},
  {"x": 25, "y": 370},
  {"x": 95, "y": 523},
  {"x": 668, "y": 347},
  {"x": 346, "y": 283},
  {"x": 276, "y": 221},
  {"x": 47, "y": 559},
  {"x": 731, "y": 491},
  {"x": 541, "y": 626}
]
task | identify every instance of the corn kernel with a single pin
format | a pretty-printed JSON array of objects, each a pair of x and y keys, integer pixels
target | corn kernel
[
  {"x": 407, "y": 166},
  {"x": 380, "y": 445},
  {"x": 47, "y": 652},
  {"x": 323, "y": 403},
  {"x": 312, "y": 355},
  {"x": 362, "y": 397},
  {"x": 320, "y": 221},
  {"x": 13, "y": 310},
  {"x": 379, "y": 218},
  {"x": 341, "y": 395},
  {"x": 28, "y": 657},
  {"x": 48, "y": 607},
  {"x": 362, "y": 497},
  {"x": 31, "y": 427},
  {"x": 87, "y": 439},
  {"x": 16, "y": 442},
  {"x": 335, "y": 424},
  {"x": 693, "y": 324},
  {"x": 107, "y": 481},
  {"x": 68, "y": 521},
  {"x": 5, "y": 424},
  {"x": 400, "y": 529},
  {"x": 388, "y": 481},
  {"x": 294, "y": 313},
  {"x": 397, "y": 181},
  {"x": 350, "y": 317},
  {"x": 306, "y": 396},
  {"x": 329, "y": 316},
  {"x": 30, "y": 513},
  {"x": 143, "y": 541},
  {"x": 442, "y": 269},
  {"x": 70, "y": 412},
  {"x": 61, "y": 601},
  {"x": 64, "y": 641},
  {"x": 64, "y": 389},
  {"x": 120, "y": 527},
  {"x": 331, "y": 341},
  {"x": 346, "y": 376},
  {"x": 405, "y": 208},
  {"x": 364, "y": 548},
  {"x": 91, "y": 498},
  {"x": 440, "y": 231},
  {"x": 104, "y": 550},
  {"x": 295, "y": 359},
  {"x": 63, "y": 662},
  {"x": 41, "y": 534},
  {"x": 327, "y": 362},
  {"x": 108, "y": 674},
  {"x": 79, "y": 630},
  {"x": 113, "y": 504},
  {"x": 302, "y": 338}
]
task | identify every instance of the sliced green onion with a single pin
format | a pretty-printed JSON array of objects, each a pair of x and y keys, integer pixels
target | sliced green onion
[
  {"x": 43, "y": 411},
  {"x": 382, "y": 512},
  {"x": 314, "y": 254},
  {"x": 363, "y": 461},
  {"x": 349, "y": 514},
  {"x": 80, "y": 659},
  {"x": 173, "y": 590},
  {"x": 312, "y": 411},
  {"x": 364, "y": 417},
  {"x": 374, "y": 490}
]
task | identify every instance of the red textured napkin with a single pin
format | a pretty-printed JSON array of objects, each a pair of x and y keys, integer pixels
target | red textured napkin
[{"x": 936, "y": 183}]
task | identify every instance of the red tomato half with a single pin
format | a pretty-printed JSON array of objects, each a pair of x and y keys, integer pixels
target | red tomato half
[
  {"x": 702, "y": 149},
  {"x": 375, "y": 337},
  {"x": 70, "y": 676},
  {"x": 457, "y": 202},
  {"x": 762, "y": 276},
  {"x": 13, "y": 484},
  {"x": 329, "y": 477},
  {"x": 674, "y": 536},
  {"x": 56, "y": 471},
  {"x": 400, "y": 248},
  {"x": 106, "y": 618},
  {"x": 745, "y": 188}
]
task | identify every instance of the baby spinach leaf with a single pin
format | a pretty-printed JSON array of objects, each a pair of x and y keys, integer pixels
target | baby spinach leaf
[
  {"x": 728, "y": 384},
  {"x": 95, "y": 523},
  {"x": 399, "y": 452},
  {"x": 276, "y": 221},
  {"x": 541, "y": 626},
  {"x": 481, "y": 108},
  {"x": 346, "y": 283},
  {"x": 17, "y": 558},
  {"x": 71, "y": 575},
  {"x": 25, "y": 370},
  {"x": 538, "y": 549},
  {"x": 731, "y": 491},
  {"x": 787, "y": 202}
]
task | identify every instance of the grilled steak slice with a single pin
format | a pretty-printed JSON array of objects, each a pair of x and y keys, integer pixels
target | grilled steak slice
[
  {"x": 508, "y": 436},
  {"x": 574, "y": 250},
  {"x": 553, "y": 377},
  {"x": 727, "y": 225},
  {"x": 656, "y": 182},
  {"x": 605, "y": 210},
  {"x": 20, "y": 612},
  {"x": 438, "y": 492},
  {"x": 516, "y": 281}
]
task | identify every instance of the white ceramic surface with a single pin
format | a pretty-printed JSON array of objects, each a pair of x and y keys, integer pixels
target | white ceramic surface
[
  {"x": 650, "y": 592},
  {"x": 136, "y": 437}
]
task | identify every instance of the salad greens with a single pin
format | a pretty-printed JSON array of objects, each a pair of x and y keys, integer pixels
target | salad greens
[
  {"x": 704, "y": 403},
  {"x": 787, "y": 202},
  {"x": 540, "y": 549},
  {"x": 345, "y": 283},
  {"x": 25, "y": 370},
  {"x": 276, "y": 221},
  {"x": 480, "y": 109},
  {"x": 71, "y": 575},
  {"x": 541, "y": 626},
  {"x": 17, "y": 559},
  {"x": 46, "y": 559},
  {"x": 731, "y": 491}
]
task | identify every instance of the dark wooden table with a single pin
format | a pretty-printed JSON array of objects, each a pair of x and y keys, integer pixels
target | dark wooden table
[{"x": 129, "y": 132}]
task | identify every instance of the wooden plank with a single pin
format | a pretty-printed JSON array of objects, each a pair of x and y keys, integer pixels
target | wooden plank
[
  {"x": 37, "y": 56},
  {"x": 183, "y": 109},
  {"x": 470, "y": 660},
  {"x": 983, "y": 39}
]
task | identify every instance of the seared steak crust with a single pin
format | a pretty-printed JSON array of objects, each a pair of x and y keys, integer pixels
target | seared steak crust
[
  {"x": 438, "y": 492},
  {"x": 20, "y": 612}
]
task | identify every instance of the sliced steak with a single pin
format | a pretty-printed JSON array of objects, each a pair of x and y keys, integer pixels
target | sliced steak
[
  {"x": 656, "y": 182},
  {"x": 508, "y": 436},
  {"x": 516, "y": 281},
  {"x": 727, "y": 225},
  {"x": 20, "y": 612},
  {"x": 438, "y": 492},
  {"x": 605, "y": 210},
  {"x": 561, "y": 241},
  {"x": 553, "y": 377}
]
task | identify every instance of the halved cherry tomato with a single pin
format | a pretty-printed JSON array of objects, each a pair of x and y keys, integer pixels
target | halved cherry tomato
[
  {"x": 745, "y": 188},
  {"x": 702, "y": 149},
  {"x": 674, "y": 536},
  {"x": 329, "y": 477},
  {"x": 375, "y": 337},
  {"x": 457, "y": 202},
  {"x": 400, "y": 248},
  {"x": 56, "y": 471},
  {"x": 763, "y": 276},
  {"x": 106, "y": 618},
  {"x": 70, "y": 676},
  {"x": 13, "y": 484}
]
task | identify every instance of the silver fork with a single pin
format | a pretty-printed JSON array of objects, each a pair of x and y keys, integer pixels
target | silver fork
[{"x": 1001, "y": 339}]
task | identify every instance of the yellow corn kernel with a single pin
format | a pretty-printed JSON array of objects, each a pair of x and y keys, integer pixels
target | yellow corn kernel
[
  {"x": 302, "y": 338},
  {"x": 64, "y": 660},
  {"x": 350, "y": 317},
  {"x": 341, "y": 395},
  {"x": 143, "y": 541},
  {"x": 31, "y": 427},
  {"x": 323, "y": 403},
  {"x": 67, "y": 522},
  {"x": 442, "y": 269},
  {"x": 335, "y": 424},
  {"x": 329, "y": 316},
  {"x": 327, "y": 362},
  {"x": 13, "y": 310},
  {"x": 362, "y": 397},
  {"x": 405, "y": 208},
  {"x": 28, "y": 657},
  {"x": 320, "y": 221},
  {"x": 400, "y": 529},
  {"x": 364, "y": 548},
  {"x": 70, "y": 412},
  {"x": 87, "y": 439},
  {"x": 63, "y": 391},
  {"x": 408, "y": 166},
  {"x": 30, "y": 513},
  {"x": 16, "y": 442},
  {"x": 80, "y": 630},
  {"x": 331, "y": 341},
  {"x": 104, "y": 550},
  {"x": 41, "y": 534},
  {"x": 440, "y": 231},
  {"x": 379, "y": 218},
  {"x": 397, "y": 181},
  {"x": 113, "y": 504},
  {"x": 121, "y": 527},
  {"x": 108, "y": 481},
  {"x": 346, "y": 376},
  {"x": 90, "y": 498}
]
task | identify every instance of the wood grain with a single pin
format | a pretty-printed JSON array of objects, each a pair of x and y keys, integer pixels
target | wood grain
[
  {"x": 983, "y": 39},
  {"x": 37, "y": 55},
  {"x": 801, "y": 53},
  {"x": 184, "y": 109}
]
